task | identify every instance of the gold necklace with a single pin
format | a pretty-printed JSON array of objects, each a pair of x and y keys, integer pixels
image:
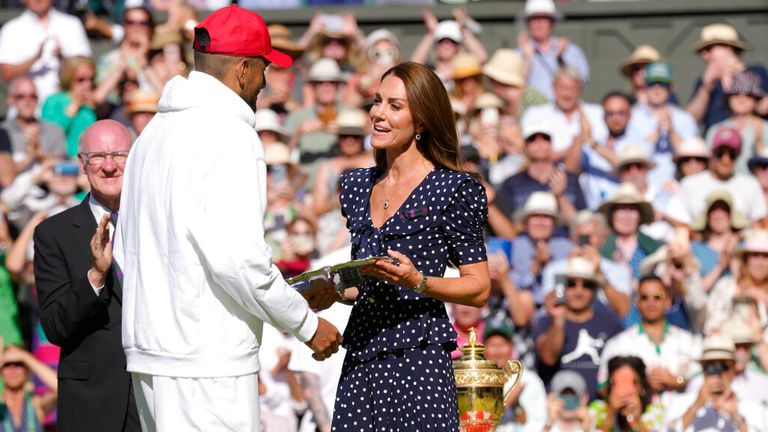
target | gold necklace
[{"x": 386, "y": 202}]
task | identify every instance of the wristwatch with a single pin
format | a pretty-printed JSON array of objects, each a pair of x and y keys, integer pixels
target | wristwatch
[{"x": 421, "y": 287}]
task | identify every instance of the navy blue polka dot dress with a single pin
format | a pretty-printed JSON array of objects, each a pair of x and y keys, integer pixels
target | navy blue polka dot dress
[{"x": 397, "y": 374}]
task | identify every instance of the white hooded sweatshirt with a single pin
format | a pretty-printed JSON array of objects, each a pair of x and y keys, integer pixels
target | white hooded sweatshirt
[{"x": 198, "y": 278}]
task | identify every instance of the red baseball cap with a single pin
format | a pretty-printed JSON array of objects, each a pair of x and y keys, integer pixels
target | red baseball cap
[
  {"x": 727, "y": 136},
  {"x": 233, "y": 31}
]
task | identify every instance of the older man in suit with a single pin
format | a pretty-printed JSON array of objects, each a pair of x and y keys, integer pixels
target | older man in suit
[{"x": 81, "y": 297}]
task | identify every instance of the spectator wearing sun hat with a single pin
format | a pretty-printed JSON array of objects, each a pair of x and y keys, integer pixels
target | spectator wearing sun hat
[
  {"x": 746, "y": 191},
  {"x": 743, "y": 97},
  {"x": 507, "y": 73},
  {"x": 720, "y": 47},
  {"x": 539, "y": 243},
  {"x": 545, "y": 52},
  {"x": 312, "y": 128},
  {"x": 660, "y": 124},
  {"x": 448, "y": 37},
  {"x": 715, "y": 405}
]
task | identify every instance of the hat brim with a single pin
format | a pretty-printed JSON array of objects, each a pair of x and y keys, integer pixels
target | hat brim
[
  {"x": 521, "y": 215},
  {"x": 627, "y": 65},
  {"x": 747, "y": 248},
  {"x": 755, "y": 160},
  {"x": 498, "y": 75},
  {"x": 588, "y": 277},
  {"x": 651, "y": 164},
  {"x": 738, "y": 220},
  {"x": 279, "y": 58},
  {"x": 646, "y": 210},
  {"x": 700, "y": 45},
  {"x": 720, "y": 354}
]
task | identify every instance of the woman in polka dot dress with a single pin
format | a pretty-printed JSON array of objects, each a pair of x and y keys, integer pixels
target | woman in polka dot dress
[{"x": 418, "y": 207}]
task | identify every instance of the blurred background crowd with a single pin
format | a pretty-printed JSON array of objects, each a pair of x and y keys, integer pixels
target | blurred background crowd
[{"x": 627, "y": 234}]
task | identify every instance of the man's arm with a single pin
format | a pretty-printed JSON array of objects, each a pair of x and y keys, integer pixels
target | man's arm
[
  {"x": 65, "y": 305},
  {"x": 549, "y": 345}
]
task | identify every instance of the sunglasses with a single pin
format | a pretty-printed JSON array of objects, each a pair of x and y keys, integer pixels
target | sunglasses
[
  {"x": 722, "y": 151},
  {"x": 664, "y": 85},
  {"x": 687, "y": 159},
  {"x": 636, "y": 165},
  {"x": 588, "y": 284},
  {"x": 84, "y": 79},
  {"x": 715, "y": 368},
  {"x": 329, "y": 41},
  {"x": 760, "y": 167},
  {"x": 657, "y": 297}
]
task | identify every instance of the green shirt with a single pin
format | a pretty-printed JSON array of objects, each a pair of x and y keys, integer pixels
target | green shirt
[{"x": 54, "y": 110}]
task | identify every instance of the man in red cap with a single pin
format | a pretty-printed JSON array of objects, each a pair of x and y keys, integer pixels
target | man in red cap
[{"x": 197, "y": 277}]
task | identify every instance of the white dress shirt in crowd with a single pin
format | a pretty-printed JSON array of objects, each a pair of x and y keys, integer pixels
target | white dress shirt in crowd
[
  {"x": 563, "y": 128},
  {"x": 21, "y": 38}
]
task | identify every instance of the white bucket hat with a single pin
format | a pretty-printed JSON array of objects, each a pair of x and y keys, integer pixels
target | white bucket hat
[
  {"x": 535, "y": 126},
  {"x": 325, "y": 70},
  {"x": 268, "y": 120},
  {"x": 539, "y": 203},
  {"x": 352, "y": 122},
  {"x": 541, "y": 8}
]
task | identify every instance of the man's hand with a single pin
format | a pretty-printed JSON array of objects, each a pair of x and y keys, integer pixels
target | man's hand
[
  {"x": 101, "y": 253},
  {"x": 326, "y": 340},
  {"x": 324, "y": 296},
  {"x": 660, "y": 378}
]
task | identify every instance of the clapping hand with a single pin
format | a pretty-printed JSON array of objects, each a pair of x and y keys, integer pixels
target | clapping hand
[{"x": 101, "y": 253}]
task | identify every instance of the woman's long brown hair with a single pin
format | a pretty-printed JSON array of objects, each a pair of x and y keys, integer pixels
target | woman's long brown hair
[{"x": 431, "y": 111}]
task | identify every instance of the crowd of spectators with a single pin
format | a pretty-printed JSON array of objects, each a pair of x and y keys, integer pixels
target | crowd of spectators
[{"x": 627, "y": 237}]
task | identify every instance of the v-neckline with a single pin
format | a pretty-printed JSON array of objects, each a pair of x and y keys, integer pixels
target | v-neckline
[{"x": 407, "y": 199}]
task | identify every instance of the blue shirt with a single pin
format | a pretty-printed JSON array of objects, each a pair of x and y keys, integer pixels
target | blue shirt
[
  {"x": 514, "y": 192},
  {"x": 523, "y": 251},
  {"x": 442, "y": 220},
  {"x": 544, "y": 66},
  {"x": 718, "y": 109}
]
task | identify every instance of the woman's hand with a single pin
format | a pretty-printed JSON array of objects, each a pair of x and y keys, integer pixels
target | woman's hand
[{"x": 402, "y": 272}]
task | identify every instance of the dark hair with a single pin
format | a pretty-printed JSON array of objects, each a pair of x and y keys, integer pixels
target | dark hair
[
  {"x": 431, "y": 110},
  {"x": 638, "y": 367},
  {"x": 650, "y": 278},
  {"x": 146, "y": 11},
  {"x": 618, "y": 94}
]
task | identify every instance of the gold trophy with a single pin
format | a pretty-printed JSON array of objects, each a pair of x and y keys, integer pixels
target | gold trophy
[{"x": 482, "y": 388}]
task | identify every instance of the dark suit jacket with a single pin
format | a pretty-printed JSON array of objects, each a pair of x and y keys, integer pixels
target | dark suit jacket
[{"x": 93, "y": 383}]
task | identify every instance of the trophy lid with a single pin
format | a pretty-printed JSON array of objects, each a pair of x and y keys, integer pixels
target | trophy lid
[{"x": 473, "y": 350}]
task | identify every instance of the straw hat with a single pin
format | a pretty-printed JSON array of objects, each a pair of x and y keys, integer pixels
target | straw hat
[
  {"x": 739, "y": 331},
  {"x": 694, "y": 147},
  {"x": 719, "y": 34},
  {"x": 627, "y": 194},
  {"x": 738, "y": 221},
  {"x": 755, "y": 240},
  {"x": 581, "y": 268},
  {"x": 282, "y": 38},
  {"x": 142, "y": 101},
  {"x": 717, "y": 347},
  {"x": 448, "y": 29},
  {"x": 506, "y": 66},
  {"x": 162, "y": 38},
  {"x": 465, "y": 65},
  {"x": 632, "y": 153},
  {"x": 642, "y": 55},
  {"x": 539, "y": 203},
  {"x": 541, "y": 8},
  {"x": 325, "y": 70},
  {"x": 268, "y": 120},
  {"x": 352, "y": 122},
  {"x": 277, "y": 154}
]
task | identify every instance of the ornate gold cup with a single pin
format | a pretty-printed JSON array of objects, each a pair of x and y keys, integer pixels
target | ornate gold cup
[{"x": 482, "y": 387}]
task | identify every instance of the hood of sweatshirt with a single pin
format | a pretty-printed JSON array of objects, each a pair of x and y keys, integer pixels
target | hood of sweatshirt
[{"x": 203, "y": 91}]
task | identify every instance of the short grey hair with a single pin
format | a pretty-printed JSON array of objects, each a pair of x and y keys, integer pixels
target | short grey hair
[{"x": 569, "y": 72}]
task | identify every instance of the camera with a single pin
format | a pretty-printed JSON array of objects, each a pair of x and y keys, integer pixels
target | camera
[
  {"x": 66, "y": 169},
  {"x": 560, "y": 289},
  {"x": 714, "y": 369}
]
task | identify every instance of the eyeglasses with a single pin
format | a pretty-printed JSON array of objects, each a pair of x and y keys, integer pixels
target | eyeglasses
[
  {"x": 32, "y": 96},
  {"x": 619, "y": 114},
  {"x": 329, "y": 41},
  {"x": 664, "y": 85},
  {"x": 636, "y": 165},
  {"x": 588, "y": 284},
  {"x": 722, "y": 151},
  {"x": 657, "y": 297},
  {"x": 142, "y": 23},
  {"x": 98, "y": 158}
]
